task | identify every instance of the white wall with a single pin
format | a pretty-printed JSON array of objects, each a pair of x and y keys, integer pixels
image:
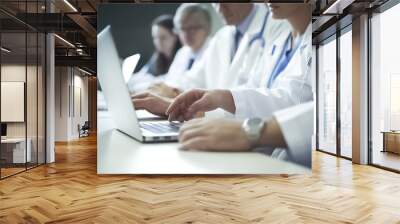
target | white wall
[
  {"x": 16, "y": 73},
  {"x": 33, "y": 126},
  {"x": 70, "y": 83}
]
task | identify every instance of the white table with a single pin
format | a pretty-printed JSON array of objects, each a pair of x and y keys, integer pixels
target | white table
[
  {"x": 118, "y": 153},
  {"x": 19, "y": 155}
]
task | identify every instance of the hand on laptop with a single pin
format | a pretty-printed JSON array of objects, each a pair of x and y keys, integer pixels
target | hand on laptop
[
  {"x": 151, "y": 102},
  {"x": 213, "y": 134},
  {"x": 188, "y": 104},
  {"x": 164, "y": 90}
]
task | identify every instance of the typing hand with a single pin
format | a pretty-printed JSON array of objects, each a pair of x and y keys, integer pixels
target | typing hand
[
  {"x": 213, "y": 134},
  {"x": 151, "y": 102},
  {"x": 187, "y": 104},
  {"x": 164, "y": 90},
  {"x": 196, "y": 101}
]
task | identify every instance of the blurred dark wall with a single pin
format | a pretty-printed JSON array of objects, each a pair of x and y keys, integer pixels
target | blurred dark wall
[{"x": 131, "y": 26}]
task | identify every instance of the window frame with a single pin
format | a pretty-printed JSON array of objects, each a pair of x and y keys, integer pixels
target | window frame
[
  {"x": 334, "y": 37},
  {"x": 378, "y": 10}
]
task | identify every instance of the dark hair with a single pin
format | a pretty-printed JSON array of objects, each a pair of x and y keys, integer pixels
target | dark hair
[
  {"x": 159, "y": 63},
  {"x": 166, "y": 21}
]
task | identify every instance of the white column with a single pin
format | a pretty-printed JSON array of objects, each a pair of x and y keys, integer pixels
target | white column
[
  {"x": 50, "y": 93},
  {"x": 50, "y": 100},
  {"x": 360, "y": 90}
]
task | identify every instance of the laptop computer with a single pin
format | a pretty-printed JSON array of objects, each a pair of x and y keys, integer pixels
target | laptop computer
[{"x": 118, "y": 99}]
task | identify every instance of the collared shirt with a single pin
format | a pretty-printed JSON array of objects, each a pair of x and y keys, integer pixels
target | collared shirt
[
  {"x": 243, "y": 26},
  {"x": 241, "y": 29}
]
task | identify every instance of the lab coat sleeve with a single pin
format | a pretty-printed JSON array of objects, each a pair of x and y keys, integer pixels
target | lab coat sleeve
[
  {"x": 292, "y": 87},
  {"x": 264, "y": 102},
  {"x": 296, "y": 125}
]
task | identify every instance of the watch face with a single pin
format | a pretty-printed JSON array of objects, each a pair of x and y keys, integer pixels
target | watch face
[{"x": 255, "y": 121}]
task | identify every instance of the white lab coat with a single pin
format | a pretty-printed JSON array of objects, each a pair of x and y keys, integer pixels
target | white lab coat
[
  {"x": 266, "y": 63},
  {"x": 296, "y": 125},
  {"x": 142, "y": 80},
  {"x": 293, "y": 86},
  {"x": 216, "y": 70},
  {"x": 181, "y": 61}
]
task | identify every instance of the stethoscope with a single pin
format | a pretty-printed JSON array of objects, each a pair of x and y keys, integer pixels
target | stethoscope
[
  {"x": 259, "y": 35},
  {"x": 256, "y": 37},
  {"x": 284, "y": 58}
]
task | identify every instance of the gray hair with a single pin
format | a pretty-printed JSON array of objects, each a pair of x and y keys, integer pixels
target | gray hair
[{"x": 187, "y": 9}]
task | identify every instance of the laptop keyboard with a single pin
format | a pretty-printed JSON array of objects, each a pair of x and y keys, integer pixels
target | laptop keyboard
[{"x": 160, "y": 127}]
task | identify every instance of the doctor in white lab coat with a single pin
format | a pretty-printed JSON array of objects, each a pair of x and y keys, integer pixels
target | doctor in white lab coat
[
  {"x": 192, "y": 24},
  {"x": 230, "y": 59},
  {"x": 285, "y": 125},
  {"x": 288, "y": 84},
  {"x": 223, "y": 65},
  {"x": 291, "y": 87}
]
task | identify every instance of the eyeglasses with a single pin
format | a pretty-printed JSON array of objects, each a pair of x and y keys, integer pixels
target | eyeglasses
[{"x": 189, "y": 29}]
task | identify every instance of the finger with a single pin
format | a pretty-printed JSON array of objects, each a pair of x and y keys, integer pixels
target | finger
[
  {"x": 202, "y": 105},
  {"x": 153, "y": 88},
  {"x": 140, "y": 103},
  {"x": 140, "y": 95},
  {"x": 176, "y": 114},
  {"x": 188, "y": 116},
  {"x": 198, "y": 143},
  {"x": 174, "y": 105},
  {"x": 195, "y": 123},
  {"x": 181, "y": 118},
  {"x": 200, "y": 114},
  {"x": 198, "y": 106},
  {"x": 192, "y": 133}
]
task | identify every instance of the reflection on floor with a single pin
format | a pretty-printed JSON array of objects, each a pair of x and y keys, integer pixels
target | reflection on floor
[
  {"x": 386, "y": 159},
  {"x": 346, "y": 152},
  {"x": 70, "y": 191},
  {"x": 10, "y": 169}
]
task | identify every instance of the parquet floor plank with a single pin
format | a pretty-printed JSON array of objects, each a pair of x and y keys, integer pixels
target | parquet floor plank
[{"x": 70, "y": 191}]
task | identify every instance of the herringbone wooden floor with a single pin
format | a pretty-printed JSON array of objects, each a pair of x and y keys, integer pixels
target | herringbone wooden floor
[{"x": 70, "y": 191}]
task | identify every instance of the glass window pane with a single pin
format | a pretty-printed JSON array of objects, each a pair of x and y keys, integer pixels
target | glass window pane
[
  {"x": 346, "y": 94},
  {"x": 385, "y": 114},
  {"x": 14, "y": 153},
  {"x": 23, "y": 86},
  {"x": 327, "y": 97},
  {"x": 31, "y": 97},
  {"x": 41, "y": 98}
]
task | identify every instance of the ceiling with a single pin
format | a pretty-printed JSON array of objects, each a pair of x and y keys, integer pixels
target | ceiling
[
  {"x": 330, "y": 16},
  {"x": 76, "y": 22}
]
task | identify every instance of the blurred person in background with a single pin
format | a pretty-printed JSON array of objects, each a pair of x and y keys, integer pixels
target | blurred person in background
[
  {"x": 166, "y": 43},
  {"x": 193, "y": 25},
  {"x": 250, "y": 31}
]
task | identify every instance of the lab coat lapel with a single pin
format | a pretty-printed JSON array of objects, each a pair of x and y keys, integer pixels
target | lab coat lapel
[
  {"x": 231, "y": 79},
  {"x": 237, "y": 63},
  {"x": 224, "y": 55},
  {"x": 272, "y": 58}
]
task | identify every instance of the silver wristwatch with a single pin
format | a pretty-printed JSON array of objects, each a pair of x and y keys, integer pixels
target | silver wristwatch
[{"x": 253, "y": 128}]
